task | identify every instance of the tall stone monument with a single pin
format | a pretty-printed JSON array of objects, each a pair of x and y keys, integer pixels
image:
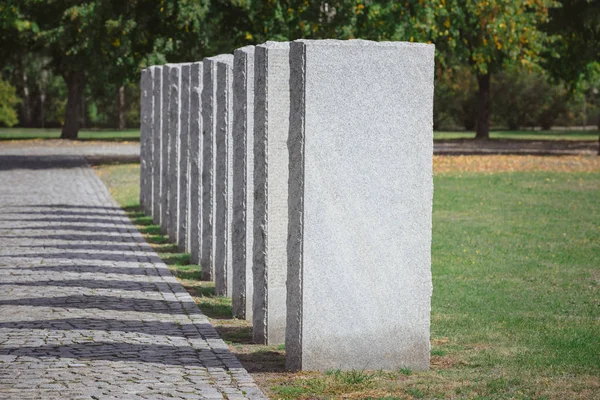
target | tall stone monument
[
  {"x": 146, "y": 117},
  {"x": 243, "y": 181},
  {"x": 223, "y": 179},
  {"x": 360, "y": 200},
  {"x": 157, "y": 143},
  {"x": 184, "y": 166},
  {"x": 209, "y": 105},
  {"x": 271, "y": 126},
  {"x": 174, "y": 148},
  {"x": 195, "y": 161},
  {"x": 164, "y": 156}
]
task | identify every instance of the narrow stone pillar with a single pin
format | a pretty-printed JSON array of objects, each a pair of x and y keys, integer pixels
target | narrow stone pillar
[
  {"x": 361, "y": 189},
  {"x": 271, "y": 124},
  {"x": 157, "y": 143},
  {"x": 243, "y": 180},
  {"x": 174, "y": 134},
  {"x": 146, "y": 110},
  {"x": 209, "y": 105},
  {"x": 224, "y": 179},
  {"x": 184, "y": 166},
  {"x": 195, "y": 237},
  {"x": 164, "y": 163}
]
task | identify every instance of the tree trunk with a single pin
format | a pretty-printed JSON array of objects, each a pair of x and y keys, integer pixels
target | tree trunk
[
  {"x": 483, "y": 107},
  {"x": 122, "y": 121},
  {"x": 26, "y": 105},
  {"x": 75, "y": 84},
  {"x": 43, "y": 99}
]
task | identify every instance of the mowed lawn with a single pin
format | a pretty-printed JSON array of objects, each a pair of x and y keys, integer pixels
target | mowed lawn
[
  {"x": 85, "y": 134},
  {"x": 516, "y": 274},
  {"x": 134, "y": 134}
]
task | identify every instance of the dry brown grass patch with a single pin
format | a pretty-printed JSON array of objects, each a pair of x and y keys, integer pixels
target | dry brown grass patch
[{"x": 500, "y": 163}]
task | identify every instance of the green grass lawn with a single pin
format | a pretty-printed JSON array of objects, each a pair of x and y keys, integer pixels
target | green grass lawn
[
  {"x": 524, "y": 135},
  {"x": 516, "y": 301},
  {"x": 134, "y": 134},
  {"x": 35, "y": 133}
]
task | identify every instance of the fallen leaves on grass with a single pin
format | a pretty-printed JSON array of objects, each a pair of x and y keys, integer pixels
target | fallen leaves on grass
[{"x": 499, "y": 163}]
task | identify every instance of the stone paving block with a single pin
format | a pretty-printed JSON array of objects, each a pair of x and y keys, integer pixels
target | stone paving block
[
  {"x": 146, "y": 126},
  {"x": 209, "y": 105},
  {"x": 243, "y": 181},
  {"x": 195, "y": 220},
  {"x": 165, "y": 144},
  {"x": 156, "y": 143},
  {"x": 271, "y": 126},
  {"x": 184, "y": 165},
  {"x": 88, "y": 308},
  {"x": 174, "y": 150},
  {"x": 361, "y": 144},
  {"x": 223, "y": 179}
]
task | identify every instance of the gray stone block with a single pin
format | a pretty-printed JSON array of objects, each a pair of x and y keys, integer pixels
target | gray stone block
[
  {"x": 243, "y": 181},
  {"x": 157, "y": 143},
  {"x": 361, "y": 144},
  {"x": 174, "y": 142},
  {"x": 223, "y": 179},
  {"x": 195, "y": 221},
  {"x": 184, "y": 166},
  {"x": 209, "y": 106},
  {"x": 271, "y": 126},
  {"x": 164, "y": 163},
  {"x": 146, "y": 110}
]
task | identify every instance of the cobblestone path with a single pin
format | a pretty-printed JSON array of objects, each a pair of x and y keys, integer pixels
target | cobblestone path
[{"x": 87, "y": 309}]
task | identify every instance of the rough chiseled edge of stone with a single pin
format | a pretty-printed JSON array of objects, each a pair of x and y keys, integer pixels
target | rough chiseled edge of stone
[
  {"x": 174, "y": 133},
  {"x": 157, "y": 140},
  {"x": 195, "y": 220},
  {"x": 184, "y": 151},
  {"x": 222, "y": 181},
  {"x": 243, "y": 114},
  {"x": 293, "y": 338}
]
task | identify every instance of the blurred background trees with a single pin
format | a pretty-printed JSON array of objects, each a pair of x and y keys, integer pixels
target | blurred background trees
[{"x": 500, "y": 63}]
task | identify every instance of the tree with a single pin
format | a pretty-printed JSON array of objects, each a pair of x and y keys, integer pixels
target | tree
[
  {"x": 575, "y": 57},
  {"x": 8, "y": 103},
  {"x": 102, "y": 42},
  {"x": 487, "y": 35}
]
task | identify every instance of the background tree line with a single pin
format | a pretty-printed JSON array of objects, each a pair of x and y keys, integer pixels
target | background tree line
[{"x": 515, "y": 64}]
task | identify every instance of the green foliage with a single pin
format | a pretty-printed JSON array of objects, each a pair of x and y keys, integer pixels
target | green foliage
[
  {"x": 578, "y": 24},
  {"x": 8, "y": 104},
  {"x": 455, "y": 99},
  {"x": 526, "y": 99}
]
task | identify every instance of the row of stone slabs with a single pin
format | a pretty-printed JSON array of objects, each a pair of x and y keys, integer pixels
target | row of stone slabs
[{"x": 299, "y": 175}]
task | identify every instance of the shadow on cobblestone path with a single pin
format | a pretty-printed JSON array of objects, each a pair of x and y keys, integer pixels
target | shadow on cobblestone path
[{"x": 87, "y": 309}]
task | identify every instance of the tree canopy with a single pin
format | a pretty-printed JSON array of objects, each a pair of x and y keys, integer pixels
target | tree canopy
[{"x": 102, "y": 44}]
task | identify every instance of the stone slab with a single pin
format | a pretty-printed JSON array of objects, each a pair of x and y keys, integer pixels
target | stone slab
[
  {"x": 243, "y": 181},
  {"x": 174, "y": 146},
  {"x": 164, "y": 162},
  {"x": 146, "y": 126},
  {"x": 361, "y": 145},
  {"x": 184, "y": 166},
  {"x": 224, "y": 179},
  {"x": 195, "y": 220},
  {"x": 271, "y": 119},
  {"x": 209, "y": 127},
  {"x": 157, "y": 143}
]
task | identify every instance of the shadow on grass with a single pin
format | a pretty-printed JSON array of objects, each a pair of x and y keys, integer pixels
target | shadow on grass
[{"x": 237, "y": 333}]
